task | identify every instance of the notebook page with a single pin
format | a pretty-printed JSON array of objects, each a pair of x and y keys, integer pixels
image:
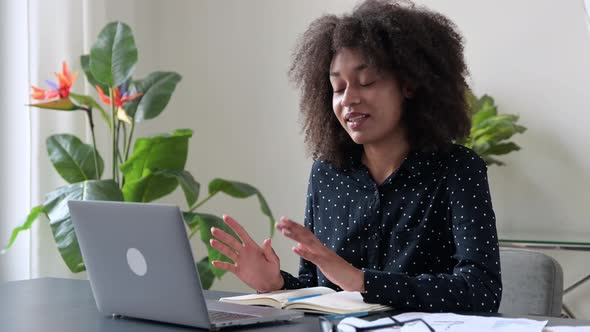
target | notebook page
[
  {"x": 337, "y": 302},
  {"x": 282, "y": 295}
]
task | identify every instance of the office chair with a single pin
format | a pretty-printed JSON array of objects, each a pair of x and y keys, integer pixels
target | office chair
[{"x": 532, "y": 283}]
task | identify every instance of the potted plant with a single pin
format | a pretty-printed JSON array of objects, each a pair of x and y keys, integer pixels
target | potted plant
[
  {"x": 490, "y": 131},
  {"x": 142, "y": 169}
]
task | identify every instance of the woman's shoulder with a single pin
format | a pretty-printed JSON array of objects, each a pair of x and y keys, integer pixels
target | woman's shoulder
[
  {"x": 323, "y": 167},
  {"x": 461, "y": 156},
  {"x": 323, "y": 171},
  {"x": 458, "y": 159},
  {"x": 464, "y": 162}
]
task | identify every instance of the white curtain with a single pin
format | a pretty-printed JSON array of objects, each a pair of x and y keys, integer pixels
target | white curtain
[
  {"x": 14, "y": 136},
  {"x": 58, "y": 31},
  {"x": 37, "y": 35}
]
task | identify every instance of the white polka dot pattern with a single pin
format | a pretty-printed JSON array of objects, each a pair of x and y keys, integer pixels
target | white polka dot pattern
[{"x": 425, "y": 238}]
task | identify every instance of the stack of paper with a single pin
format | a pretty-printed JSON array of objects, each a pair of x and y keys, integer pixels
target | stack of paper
[{"x": 449, "y": 323}]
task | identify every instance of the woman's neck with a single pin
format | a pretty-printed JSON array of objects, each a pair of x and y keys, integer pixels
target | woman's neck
[{"x": 383, "y": 158}]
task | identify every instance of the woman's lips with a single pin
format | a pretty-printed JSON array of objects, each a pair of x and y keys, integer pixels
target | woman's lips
[{"x": 355, "y": 121}]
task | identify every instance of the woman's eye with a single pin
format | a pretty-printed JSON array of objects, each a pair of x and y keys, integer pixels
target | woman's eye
[
  {"x": 367, "y": 84},
  {"x": 338, "y": 90}
]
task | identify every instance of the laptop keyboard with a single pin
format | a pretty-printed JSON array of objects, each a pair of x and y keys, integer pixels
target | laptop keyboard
[{"x": 222, "y": 316}]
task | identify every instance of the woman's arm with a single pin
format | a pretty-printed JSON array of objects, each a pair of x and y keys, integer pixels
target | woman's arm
[{"x": 307, "y": 276}]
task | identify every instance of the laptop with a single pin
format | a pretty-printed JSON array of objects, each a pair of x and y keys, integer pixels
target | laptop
[{"x": 140, "y": 265}]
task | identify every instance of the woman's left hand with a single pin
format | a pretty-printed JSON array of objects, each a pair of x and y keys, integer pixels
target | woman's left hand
[{"x": 309, "y": 247}]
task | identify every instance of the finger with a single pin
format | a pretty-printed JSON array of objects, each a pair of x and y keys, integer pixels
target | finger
[
  {"x": 299, "y": 233},
  {"x": 284, "y": 223},
  {"x": 226, "y": 238},
  {"x": 279, "y": 224},
  {"x": 240, "y": 231},
  {"x": 224, "y": 249},
  {"x": 225, "y": 266},
  {"x": 306, "y": 254},
  {"x": 269, "y": 252}
]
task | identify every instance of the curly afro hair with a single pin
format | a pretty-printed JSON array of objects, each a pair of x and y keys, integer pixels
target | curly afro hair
[{"x": 422, "y": 48}]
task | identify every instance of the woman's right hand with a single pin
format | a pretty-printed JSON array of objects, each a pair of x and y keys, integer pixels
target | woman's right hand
[{"x": 258, "y": 267}]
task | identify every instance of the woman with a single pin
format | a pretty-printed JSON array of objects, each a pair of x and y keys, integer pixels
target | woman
[{"x": 394, "y": 209}]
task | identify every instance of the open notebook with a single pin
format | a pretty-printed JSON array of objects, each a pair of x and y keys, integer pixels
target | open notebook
[{"x": 313, "y": 299}]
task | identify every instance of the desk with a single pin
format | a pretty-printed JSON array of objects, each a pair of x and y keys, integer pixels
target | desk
[{"x": 66, "y": 305}]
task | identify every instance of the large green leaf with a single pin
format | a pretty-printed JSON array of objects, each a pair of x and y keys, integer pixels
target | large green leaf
[
  {"x": 59, "y": 215},
  {"x": 89, "y": 102},
  {"x": 166, "y": 151},
  {"x": 85, "y": 64},
  {"x": 150, "y": 187},
  {"x": 492, "y": 161},
  {"x": 113, "y": 55},
  {"x": 485, "y": 103},
  {"x": 481, "y": 116},
  {"x": 205, "y": 222},
  {"x": 187, "y": 182},
  {"x": 156, "y": 90},
  {"x": 33, "y": 215},
  {"x": 496, "y": 134},
  {"x": 64, "y": 104},
  {"x": 496, "y": 125},
  {"x": 72, "y": 159},
  {"x": 205, "y": 273},
  {"x": 503, "y": 148},
  {"x": 499, "y": 119},
  {"x": 152, "y": 155},
  {"x": 242, "y": 190}
]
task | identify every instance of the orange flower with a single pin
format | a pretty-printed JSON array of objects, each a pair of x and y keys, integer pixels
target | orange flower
[
  {"x": 61, "y": 90},
  {"x": 40, "y": 94},
  {"x": 119, "y": 96}
]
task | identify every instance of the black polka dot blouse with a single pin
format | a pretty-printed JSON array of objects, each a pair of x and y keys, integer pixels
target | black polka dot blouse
[{"x": 425, "y": 238}]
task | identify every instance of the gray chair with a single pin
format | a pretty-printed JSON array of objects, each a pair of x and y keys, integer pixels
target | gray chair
[{"x": 532, "y": 283}]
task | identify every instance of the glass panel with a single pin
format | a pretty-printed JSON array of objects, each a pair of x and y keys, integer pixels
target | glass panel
[{"x": 557, "y": 239}]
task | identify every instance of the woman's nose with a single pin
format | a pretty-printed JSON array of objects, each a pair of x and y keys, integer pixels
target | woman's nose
[{"x": 350, "y": 97}]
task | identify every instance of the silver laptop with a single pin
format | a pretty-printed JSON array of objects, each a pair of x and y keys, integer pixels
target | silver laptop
[{"x": 140, "y": 265}]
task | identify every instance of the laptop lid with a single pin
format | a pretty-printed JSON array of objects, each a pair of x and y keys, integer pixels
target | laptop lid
[
  {"x": 139, "y": 261},
  {"x": 140, "y": 264}
]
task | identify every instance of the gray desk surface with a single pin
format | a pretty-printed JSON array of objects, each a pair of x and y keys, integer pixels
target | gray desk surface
[{"x": 66, "y": 305}]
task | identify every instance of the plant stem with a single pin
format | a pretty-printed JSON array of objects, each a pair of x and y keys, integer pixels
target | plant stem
[
  {"x": 202, "y": 202},
  {"x": 130, "y": 139},
  {"x": 114, "y": 135},
  {"x": 194, "y": 231},
  {"x": 91, "y": 122},
  {"x": 119, "y": 156},
  {"x": 125, "y": 141},
  {"x": 124, "y": 152}
]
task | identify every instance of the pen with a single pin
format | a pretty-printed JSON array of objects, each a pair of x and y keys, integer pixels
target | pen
[
  {"x": 302, "y": 297},
  {"x": 342, "y": 316}
]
